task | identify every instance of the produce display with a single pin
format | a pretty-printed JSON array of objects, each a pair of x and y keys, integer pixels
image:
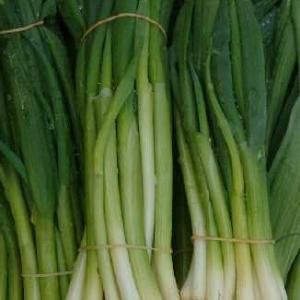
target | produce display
[{"x": 149, "y": 149}]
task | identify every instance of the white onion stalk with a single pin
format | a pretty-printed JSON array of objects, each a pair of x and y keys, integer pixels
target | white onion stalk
[
  {"x": 195, "y": 285},
  {"x": 79, "y": 289}
]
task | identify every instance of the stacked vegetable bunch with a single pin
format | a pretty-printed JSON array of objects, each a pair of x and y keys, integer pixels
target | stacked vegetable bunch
[
  {"x": 125, "y": 115},
  {"x": 99, "y": 99},
  {"x": 42, "y": 228},
  {"x": 235, "y": 85}
]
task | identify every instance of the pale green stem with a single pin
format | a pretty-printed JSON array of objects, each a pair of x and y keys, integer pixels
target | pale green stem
[
  {"x": 17, "y": 204},
  {"x": 196, "y": 281},
  {"x": 3, "y": 269}
]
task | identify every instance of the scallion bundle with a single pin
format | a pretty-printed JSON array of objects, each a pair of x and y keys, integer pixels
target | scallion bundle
[
  {"x": 37, "y": 158},
  {"x": 221, "y": 116},
  {"x": 125, "y": 112}
]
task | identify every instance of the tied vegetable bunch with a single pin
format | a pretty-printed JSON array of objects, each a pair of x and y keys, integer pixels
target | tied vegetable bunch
[
  {"x": 218, "y": 71},
  {"x": 38, "y": 177},
  {"x": 125, "y": 115}
]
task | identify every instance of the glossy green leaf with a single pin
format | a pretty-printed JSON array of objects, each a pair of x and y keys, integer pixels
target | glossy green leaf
[{"x": 285, "y": 187}]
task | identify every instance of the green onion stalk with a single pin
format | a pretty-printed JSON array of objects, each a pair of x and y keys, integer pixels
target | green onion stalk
[
  {"x": 191, "y": 111},
  {"x": 269, "y": 281},
  {"x": 11, "y": 278},
  {"x": 35, "y": 68},
  {"x": 293, "y": 281},
  {"x": 130, "y": 38},
  {"x": 8, "y": 179},
  {"x": 12, "y": 190},
  {"x": 191, "y": 287},
  {"x": 220, "y": 111},
  {"x": 3, "y": 264},
  {"x": 89, "y": 58},
  {"x": 182, "y": 232},
  {"x": 76, "y": 287},
  {"x": 282, "y": 73},
  {"x": 160, "y": 11}
]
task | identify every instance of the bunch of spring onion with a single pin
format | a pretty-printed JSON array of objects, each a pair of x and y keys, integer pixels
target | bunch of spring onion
[
  {"x": 124, "y": 106},
  {"x": 37, "y": 158},
  {"x": 218, "y": 71}
]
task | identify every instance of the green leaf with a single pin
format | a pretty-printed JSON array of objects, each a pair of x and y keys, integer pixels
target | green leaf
[
  {"x": 285, "y": 187},
  {"x": 14, "y": 160},
  {"x": 253, "y": 69},
  {"x": 222, "y": 72},
  {"x": 293, "y": 285},
  {"x": 284, "y": 65},
  {"x": 35, "y": 134},
  {"x": 49, "y": 9},
  {"x": 203, "y": 27},
  {"x": 71, "y": 13}
]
